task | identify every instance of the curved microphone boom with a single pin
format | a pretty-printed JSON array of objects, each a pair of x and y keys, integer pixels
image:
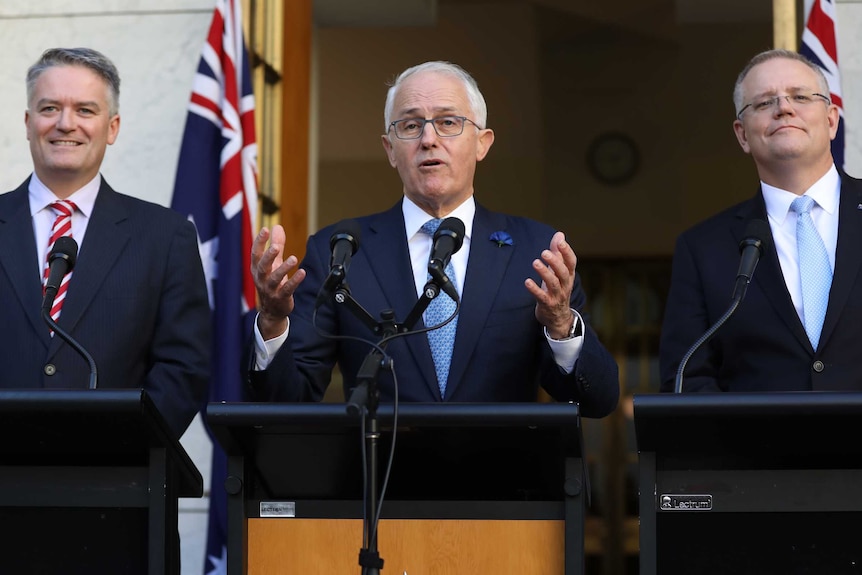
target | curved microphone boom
[
  {"x": 62, "y": 259},
  {"x": 757, "y": 242},
  {"x": 448, "y": 239},
  {"x": 343, "y": 244}
]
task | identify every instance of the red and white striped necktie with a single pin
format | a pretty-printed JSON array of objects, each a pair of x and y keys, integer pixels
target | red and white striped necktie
[{"x": 62, "y": 227}]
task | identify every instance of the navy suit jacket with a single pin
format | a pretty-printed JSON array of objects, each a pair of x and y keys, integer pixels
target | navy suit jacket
[
  {"x": 763, "y": 347},
  {"x": 500, "y": 353},
  {"x": 137, "y": 302}
]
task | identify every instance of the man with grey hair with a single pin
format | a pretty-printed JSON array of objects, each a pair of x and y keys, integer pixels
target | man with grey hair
[
  {"x": 136, "y": 298},
  {"x": 799, "y": 326},
  {"x": 520, "y": 323}
]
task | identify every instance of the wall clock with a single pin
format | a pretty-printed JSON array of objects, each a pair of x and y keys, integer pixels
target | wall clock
[{"x": 613, "y": 158}]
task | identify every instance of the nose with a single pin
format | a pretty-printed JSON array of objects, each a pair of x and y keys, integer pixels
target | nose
[
  {"x": 66, "y": 121},
  {"x": 783, "y": 106},
  {"x": 429, "y": 134}
]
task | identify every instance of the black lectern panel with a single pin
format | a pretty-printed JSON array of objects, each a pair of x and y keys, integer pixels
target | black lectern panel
[
  {"x": 468, "y": 461},
  {"x": 89, "y": 481},
  {"x": 750, "y": 483}
]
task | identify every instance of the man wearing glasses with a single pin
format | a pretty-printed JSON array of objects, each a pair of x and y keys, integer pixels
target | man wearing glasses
[
  {"x": 519, "y": 324},
  {"x": 800, "y": 324}
]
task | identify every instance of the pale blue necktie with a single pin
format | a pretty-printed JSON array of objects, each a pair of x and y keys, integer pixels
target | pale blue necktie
[
  {"x": 441, "y": 340},
  {"x": 814, "y": 269}
]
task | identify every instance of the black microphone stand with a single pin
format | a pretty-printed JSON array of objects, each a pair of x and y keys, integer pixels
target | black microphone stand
[
  {"x": 46, "y": 315},
  {"x": 365, "y": 398},
  {"x": 750, "y": 258}
]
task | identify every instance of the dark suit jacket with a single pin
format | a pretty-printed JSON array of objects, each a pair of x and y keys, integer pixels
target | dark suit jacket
[
  {"x": 500, "y": 350},
  {"x": 763, "y": 347},
  {"x": 137, "y": 302}
]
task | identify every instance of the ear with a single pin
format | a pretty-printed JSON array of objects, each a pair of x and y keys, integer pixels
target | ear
[
  {"x": 387, "y": 145},
  {"x": 741, "y": 136},
  {"x": 113, "y": 129},
  {"x": 484, "y": 143},
  {"x": 27, "y": 123},
  {"x": 833, "y": 115}
]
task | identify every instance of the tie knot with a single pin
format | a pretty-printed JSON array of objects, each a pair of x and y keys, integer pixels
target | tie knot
[
  {"x": 431, "y": 226},
  {"x": 802, "y": 204},
  {"x": 63, "y": 208}
]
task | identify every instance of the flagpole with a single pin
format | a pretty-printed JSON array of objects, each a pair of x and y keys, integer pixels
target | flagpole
[{"x": 784, "y": 27}]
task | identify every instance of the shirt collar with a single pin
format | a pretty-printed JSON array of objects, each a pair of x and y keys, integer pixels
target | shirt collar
[
  {"x": 825, "y": 192},
  {"x": 415, "y": 217},
  {"x": 85, "y": 198}
]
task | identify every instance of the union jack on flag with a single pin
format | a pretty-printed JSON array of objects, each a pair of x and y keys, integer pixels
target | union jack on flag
[
  {"x": 820, "y": 45},
  {"x": 216, "y": 185}
]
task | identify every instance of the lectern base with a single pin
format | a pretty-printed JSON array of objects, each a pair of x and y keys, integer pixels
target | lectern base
[
  {"x": 810, "y": 543},
  {"x": 71, "y": 541},
  {"x": 414, "y": 546}
]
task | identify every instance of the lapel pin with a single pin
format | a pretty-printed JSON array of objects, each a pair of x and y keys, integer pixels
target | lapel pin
[{"x": 859, "y": 206}]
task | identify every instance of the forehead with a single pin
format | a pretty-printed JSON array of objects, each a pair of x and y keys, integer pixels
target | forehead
[
  {"x": 70, "y": 82},
  {"x": 429, "y": 92},
  {"x": 778, "y": 75}
]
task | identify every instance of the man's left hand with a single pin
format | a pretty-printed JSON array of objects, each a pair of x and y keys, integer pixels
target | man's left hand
[{"x": 557, "y": 270}]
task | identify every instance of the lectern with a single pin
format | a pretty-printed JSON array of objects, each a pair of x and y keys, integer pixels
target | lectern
[
  {"x": 89, "y": 481},
  {"x": 474, "y": 488},
  {"x": 750, "y": 483}
]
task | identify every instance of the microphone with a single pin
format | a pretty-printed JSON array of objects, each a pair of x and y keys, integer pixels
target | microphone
[
  {"x": 757, "y": 241},
  {"x": 62, "y": 259},
  {"x": 448, "y": 239},
  {"x": 60, "y": 262},
  {"x": 343, "y": 244}
]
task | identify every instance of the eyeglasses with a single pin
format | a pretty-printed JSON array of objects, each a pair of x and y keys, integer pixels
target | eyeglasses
[
  {"x": 445, "y": 126},
  {"x": 799, "y": 100}
]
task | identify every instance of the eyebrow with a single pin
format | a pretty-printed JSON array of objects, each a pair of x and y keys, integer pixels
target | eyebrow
[
  {"x": 790, "y": 90},
  {"x": 85, "y": 104},
  {"x": 414, "y": 112}
]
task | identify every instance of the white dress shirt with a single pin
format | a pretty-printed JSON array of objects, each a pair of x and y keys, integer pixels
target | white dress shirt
[{"x": 43, "y": 216}]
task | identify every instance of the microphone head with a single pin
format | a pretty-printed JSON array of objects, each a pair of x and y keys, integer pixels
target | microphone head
[
  {"x": 758, "y": 234},
  {"x": 346, "y": 230},
  {"x": 454, "y": 228},
  {"x": 66, "y": 248}
]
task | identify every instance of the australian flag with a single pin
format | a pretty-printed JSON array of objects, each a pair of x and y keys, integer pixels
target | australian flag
[
  {"x": 820, "y": 45},
  {"x": 216, "y": 185}
]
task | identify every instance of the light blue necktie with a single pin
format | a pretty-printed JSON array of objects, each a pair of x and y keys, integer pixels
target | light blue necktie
[
  {"x": 441, "y": 340},
  {"x": 814, "y": 269}
]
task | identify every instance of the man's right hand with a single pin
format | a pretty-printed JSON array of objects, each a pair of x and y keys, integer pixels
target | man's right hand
[{"x": 271, "y": 279}]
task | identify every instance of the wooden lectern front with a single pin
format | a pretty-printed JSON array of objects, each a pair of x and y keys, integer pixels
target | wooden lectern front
[{"x": 474, "y": 488}]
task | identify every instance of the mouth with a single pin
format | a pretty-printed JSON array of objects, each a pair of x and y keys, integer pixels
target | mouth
[
  {"x": 65, "y": 143},
  {"x": 430, "y": 164},
  {"x": 785, "y": 127}
]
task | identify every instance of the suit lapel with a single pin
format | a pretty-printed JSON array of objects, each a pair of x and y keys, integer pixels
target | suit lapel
[
  {"x": 485, "y": 269},
  {"x": 18, "y": 257},
  {"x": 387, "y": 240},
  {"x": 848, "y": 255},
  {"x": 769, "y": 276},
  {"x": 103, "y": 243}
]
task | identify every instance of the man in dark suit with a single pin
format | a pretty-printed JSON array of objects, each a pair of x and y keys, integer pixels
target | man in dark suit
[
  {"x": 519, "y": 324},
  {"x": 136, "y": 299},
  {"x": 784, "y": 336}
]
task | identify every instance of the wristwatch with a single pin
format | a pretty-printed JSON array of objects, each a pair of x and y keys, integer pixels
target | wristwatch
[{"x": 575, "y": 331}]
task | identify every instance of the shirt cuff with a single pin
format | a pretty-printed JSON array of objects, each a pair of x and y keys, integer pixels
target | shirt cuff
[
  {"x": 264, "y": 351},
  {"x": 567, "y": 351}
]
